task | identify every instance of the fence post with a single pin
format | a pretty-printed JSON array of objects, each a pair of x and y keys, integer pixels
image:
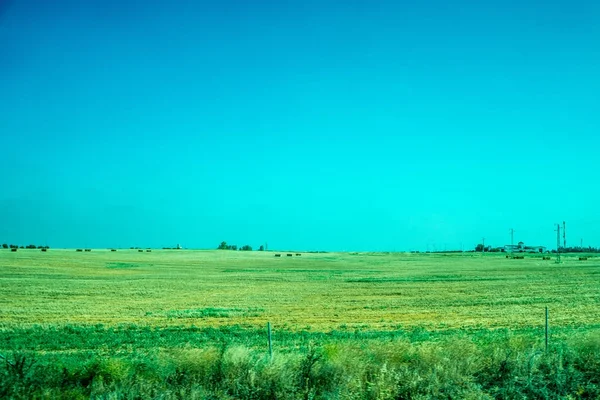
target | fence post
[
  {"x": 547, "y": 329},
  {"x": 270, "y": 342}
]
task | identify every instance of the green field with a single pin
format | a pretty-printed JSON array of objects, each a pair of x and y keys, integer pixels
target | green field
[{"x": 90, "y": 319}]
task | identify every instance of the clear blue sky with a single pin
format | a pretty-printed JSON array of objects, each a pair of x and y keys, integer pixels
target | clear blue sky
[{"x": 317, "y": 125}]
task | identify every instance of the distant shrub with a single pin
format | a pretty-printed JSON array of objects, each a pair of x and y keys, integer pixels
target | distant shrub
[{"x": 4, "y": 246}]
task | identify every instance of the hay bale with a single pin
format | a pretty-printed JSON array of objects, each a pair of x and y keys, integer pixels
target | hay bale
[
  {"x": 88, "y": 249},
  {"x": 148, "y": 251},
  {"x": 78, "y": 249},
  {"x": 277, "y": 255},
  {"x": 13, "y": 249},
  {"x": 113, "y": 249},
  {"x": 298, "y": 254},
  {"x": 44, "y": 249},
  {"x": 140, "y": 251},
  {"x": 582, "y": 258},
  {"x": 289, "y": 254}
]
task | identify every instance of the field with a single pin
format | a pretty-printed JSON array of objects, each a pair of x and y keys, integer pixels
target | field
[{"x": 82, "y": 323}]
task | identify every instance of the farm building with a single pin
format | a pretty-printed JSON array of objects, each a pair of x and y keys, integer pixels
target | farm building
[{"x": 521, "y": 248}]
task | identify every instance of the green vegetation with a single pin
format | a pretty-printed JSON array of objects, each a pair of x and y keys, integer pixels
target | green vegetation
[{"x": 191, "y": 324}]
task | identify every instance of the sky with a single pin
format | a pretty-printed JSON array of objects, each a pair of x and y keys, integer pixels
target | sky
[{"x": 307, "y": 125}]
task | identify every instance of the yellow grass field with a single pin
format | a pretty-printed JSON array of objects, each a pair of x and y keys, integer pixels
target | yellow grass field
[{"x": 314, "y": 291}]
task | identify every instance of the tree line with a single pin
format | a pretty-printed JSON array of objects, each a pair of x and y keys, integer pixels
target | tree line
[
  {"x": 29, "y": 246},
  {"x": 588, "y": 249},
  {"x": 225, "y": 246}
]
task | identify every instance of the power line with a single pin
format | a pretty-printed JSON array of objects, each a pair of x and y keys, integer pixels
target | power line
[{"x": 557, "y": 243}]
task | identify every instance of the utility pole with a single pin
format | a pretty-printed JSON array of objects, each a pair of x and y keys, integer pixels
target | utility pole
[
  {"x": 482, "y": 245},
  {"x": 564, "y": 235},
  {"x": 558, "y": 243},
  {"x": 581, "y": 245},
  {"x": 512, "y": 236}
]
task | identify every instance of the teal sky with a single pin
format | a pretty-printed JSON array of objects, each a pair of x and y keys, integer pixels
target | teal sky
[{"x": 313, "y": 125}]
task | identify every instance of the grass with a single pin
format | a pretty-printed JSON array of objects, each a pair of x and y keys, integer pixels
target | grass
[
  {"x": 179, "y": 324},
  {"x": 315, "y": 291}
]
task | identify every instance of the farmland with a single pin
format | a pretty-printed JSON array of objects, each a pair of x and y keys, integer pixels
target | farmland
[{"x": 191, "y": 310}]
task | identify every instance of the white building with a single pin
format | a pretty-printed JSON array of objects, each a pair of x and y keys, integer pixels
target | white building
[{"x": 521, "y": 248}]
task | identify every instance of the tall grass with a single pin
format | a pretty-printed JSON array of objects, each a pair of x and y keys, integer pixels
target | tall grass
[{"x": 485, "y": 365}]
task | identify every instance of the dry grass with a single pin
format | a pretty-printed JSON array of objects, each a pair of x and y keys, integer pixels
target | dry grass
[{"x": 316, "y": 291}]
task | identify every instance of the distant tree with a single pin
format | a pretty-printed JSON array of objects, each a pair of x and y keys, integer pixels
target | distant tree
[
  {"x": 261, "y": 248},
  {"x": 480, "y": 248},
  {"x": 31, "y": 246},
  {"x": 4, "y": 246},
  {"x": 246, "y": 248},
  {"x": 225, "y": 246},
  {"x": 14, "y": 246}
]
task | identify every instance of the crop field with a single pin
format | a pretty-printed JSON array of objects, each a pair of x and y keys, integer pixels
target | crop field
[
  {"x": 179, "y": 323},
  {"x": 315, "y": 291}
]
